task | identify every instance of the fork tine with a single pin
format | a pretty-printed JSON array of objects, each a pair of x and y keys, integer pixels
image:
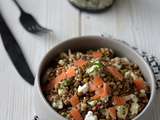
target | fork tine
[
  {"x": 38, "y": 29},
  {"x": 42, "y": 28}
]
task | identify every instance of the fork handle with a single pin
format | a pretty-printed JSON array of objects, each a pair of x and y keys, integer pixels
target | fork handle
[{"x": 20, "y": 8}]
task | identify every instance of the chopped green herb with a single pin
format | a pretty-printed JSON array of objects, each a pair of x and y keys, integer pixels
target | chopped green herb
[{"x": 95, "y": 66}]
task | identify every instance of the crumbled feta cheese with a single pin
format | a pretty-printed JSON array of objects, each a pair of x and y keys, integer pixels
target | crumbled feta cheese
[
  {"x": 134, "y": 76},
  {"x": 61, "y": 91},
  {"x": 125, "y": 60},
  {"x": 92, "y": 103},
  {"x": 132, "y": 97},
  {"x": 118, "y": 66},
  {"x": 142, "y": 93},
  {"x": 127, "y": 74},
  {"x": 61, "y": 62},
  {"x": 122, "y": 111},
  {"x": 130, "y": 74},
  {"x": 116, "y": 60},
  {"x": 105, "y": 99},
  {"x": 83, "y": 89},
  {"x": 91, "y": 69},
  {"x": 134, "y": 108},
  {"x": 90, "y": 116},
  {"x": 58, "y": 104},
  {"x": 96, "y": 65}
]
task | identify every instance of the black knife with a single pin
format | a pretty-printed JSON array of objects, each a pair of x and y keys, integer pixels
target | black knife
[{"x": 15, "y": 53}]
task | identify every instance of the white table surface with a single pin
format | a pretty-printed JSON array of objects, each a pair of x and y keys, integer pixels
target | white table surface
[{"x": 135, "y": 21}]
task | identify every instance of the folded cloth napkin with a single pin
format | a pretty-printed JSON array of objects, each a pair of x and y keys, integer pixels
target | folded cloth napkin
[{"x": 153, "y": 62}]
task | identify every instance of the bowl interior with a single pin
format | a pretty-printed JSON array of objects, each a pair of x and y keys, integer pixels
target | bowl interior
[{"x": 93, "y": 42}]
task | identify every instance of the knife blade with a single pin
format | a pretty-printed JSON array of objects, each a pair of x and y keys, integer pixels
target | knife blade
[{"x": 15, "y": 53}]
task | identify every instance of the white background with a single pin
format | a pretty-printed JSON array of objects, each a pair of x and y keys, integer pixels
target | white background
[{"x": 135, "y": 21}]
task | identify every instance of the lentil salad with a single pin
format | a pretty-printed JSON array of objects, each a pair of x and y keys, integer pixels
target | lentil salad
[{"x": 95, "y": 85}]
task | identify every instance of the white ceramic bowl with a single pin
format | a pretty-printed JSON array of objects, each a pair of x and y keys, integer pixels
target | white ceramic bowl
[{"x": 42, "y": 107}]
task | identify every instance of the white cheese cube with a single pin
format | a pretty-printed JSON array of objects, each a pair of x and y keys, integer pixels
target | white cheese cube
[
  {"x": 83, "y": 89},
  {"x": 90, "y": 116},
  {"x": 58, "y": 104},
  {"x": 134, "y": 108},
  {"x": 92, "y": 103},
  {"x": 61, "y": 91},
  {"x": 61, "y": 62},
  {"x": 142, "y": 93},
  {"x": 122, "y": 111}
]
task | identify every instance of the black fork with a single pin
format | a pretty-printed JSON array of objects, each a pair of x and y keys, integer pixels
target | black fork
[{"x": 30, "y": 23}]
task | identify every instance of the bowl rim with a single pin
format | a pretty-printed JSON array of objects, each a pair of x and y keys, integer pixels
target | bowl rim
[{"x": 153, "y": 89}]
